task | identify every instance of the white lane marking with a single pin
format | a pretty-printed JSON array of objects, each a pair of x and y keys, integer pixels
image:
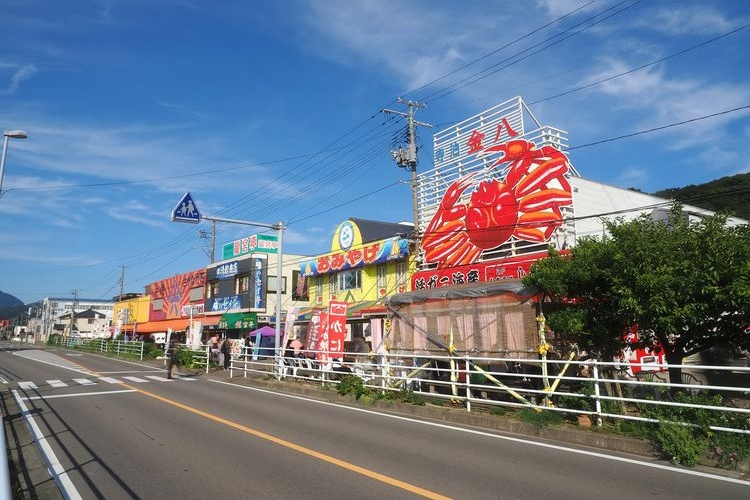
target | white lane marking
[
  {"x": 3, "y": 380},
  {"x": 27, "y": 385},
  {"x": 84, "y": 381},
  {"x": 57, "y": 383},
  {"x": 99, "y": 393},
  {"x": 159, "y": 378},
  {"x": 135, "y": 379},
  {"x": 56, "y": 470},
  {"x": 110, "y": 380},
  {"x": 35, "y": 356},
  {"x": 500, "y": 437},
  {"x": 186, "y": 379},
  {"x": 130, "y": 371}
]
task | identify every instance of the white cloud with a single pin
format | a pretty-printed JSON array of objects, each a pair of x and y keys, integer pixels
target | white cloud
[
  {"x": 688, "y": 19},
  {"x": 633, "y": 176},
  {"x": 18, "y": 76}
]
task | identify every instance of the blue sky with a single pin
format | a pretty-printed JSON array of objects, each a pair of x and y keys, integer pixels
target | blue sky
[{"x": 269, "y": 111}]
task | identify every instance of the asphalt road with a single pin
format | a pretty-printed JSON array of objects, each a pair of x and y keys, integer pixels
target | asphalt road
[{"x": 117, "y": 429}]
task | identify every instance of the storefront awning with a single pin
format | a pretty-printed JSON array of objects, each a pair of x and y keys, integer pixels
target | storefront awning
[
  {"x": 180, "y": 324},
  {"x": 162, "y": 326}
]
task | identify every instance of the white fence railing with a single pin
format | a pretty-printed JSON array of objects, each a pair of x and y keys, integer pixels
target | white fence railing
[
  {"x": 599, "y": 389},
  {"x": 117, "y": 347}
]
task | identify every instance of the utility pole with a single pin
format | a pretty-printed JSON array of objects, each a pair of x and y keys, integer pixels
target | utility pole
[
  {"x": 73, "y": 310},
  {"x": 122, "y": 282},
  {"x": 213, "y": 239},
  {"x": 202, "y": 234},
  {"x": 407, "y": 158}
]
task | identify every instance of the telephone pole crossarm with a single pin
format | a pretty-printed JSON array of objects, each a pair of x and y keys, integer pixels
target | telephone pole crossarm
[{"x": 408, "y": 157}]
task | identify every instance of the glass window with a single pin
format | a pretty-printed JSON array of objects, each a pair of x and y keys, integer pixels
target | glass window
[
  {"x": 382, "y": 277},
  {"x": 401, "y": 273},
  {"x": 319, "y": 286},
  {"x": 349, "y": 279},
  {"x": 300, "y": 291},
  {"x": 196, "y": 293},
  {"x": 212, "y": 289},
  {"x": 271, "y": 284},
  {"x": 242, "y": 284},
  {"x": 157, "y": 304},
  {"x": 332, "y": 285}
]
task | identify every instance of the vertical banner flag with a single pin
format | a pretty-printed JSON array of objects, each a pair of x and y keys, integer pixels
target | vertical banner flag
[
  {"x": 321, "y": 353},
  {"x": 337, "y": 328},
  {"x": 291, "y": 315}
]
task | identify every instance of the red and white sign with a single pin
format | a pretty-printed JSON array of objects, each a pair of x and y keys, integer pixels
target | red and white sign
[
  {"x": 649, "y": 358},
  {"x": 513, "y": 268},
  {"x": 336, "y": 328}
]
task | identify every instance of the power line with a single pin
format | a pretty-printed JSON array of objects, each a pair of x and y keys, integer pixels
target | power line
[
  {"x": 468, "y": 80},
  {"x": 655, "y": 129}
]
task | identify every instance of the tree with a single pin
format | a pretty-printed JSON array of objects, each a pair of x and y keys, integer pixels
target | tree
[{"x": 688, "y": 282}]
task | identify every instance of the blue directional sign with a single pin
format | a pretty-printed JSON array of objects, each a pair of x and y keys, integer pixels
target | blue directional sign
[{"x": 186, "y": 211}]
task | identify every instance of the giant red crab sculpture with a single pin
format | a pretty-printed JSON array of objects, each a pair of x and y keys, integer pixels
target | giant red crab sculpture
[{"x": 526, "y": 204}]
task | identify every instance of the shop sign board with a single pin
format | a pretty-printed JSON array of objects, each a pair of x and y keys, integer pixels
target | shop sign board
[
  {"x": 257, "y": 243},
  {"x": 495, "y": 184},
  {"x": 370, "y": 253}
]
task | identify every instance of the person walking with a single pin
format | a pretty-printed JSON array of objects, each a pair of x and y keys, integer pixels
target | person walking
[
  {"x": 220, "y": 352},
  {"x": 226, "y": 351},
  {"x": 171, "y": 354}
]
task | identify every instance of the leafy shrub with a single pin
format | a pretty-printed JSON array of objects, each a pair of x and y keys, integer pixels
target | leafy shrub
[
  {"x": 679, "y": 444},
  {"x": 726, "y": 448},
  {"x": 541, "y": 418},
  {"x": 151, "y": 351},
  {"x": 352, "y": 385},
  {"x": 408, "y": 396}
]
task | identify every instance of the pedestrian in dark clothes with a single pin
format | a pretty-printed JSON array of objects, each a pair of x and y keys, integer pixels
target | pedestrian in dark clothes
[
  {"x": 226, "y": 350},
  {"x": 171, "y": 355}
]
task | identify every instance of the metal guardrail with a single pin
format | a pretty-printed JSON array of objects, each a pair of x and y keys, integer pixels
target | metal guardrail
[
  {"x": 5, "y": 491},
  {"x": 601, "y": 390},
  {"x": 116, "y": 347}
]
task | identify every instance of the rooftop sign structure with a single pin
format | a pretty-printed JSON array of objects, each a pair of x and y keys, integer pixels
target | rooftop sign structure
[{"x": 499, "y": 191}]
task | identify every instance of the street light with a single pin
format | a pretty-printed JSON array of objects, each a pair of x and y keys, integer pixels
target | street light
[{"x": 7, "y": 135}]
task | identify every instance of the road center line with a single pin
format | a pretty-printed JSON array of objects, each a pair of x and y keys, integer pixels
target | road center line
[{"x": 301, "y": 449}]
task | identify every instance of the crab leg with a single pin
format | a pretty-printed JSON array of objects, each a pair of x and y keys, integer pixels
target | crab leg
[
  {"x": 544, "y": 173},
  {"x": 543, "y": 199}
]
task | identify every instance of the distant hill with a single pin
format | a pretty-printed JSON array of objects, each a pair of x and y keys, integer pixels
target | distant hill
[
  {"x": 728, "y": 194},
  {"x": 8, "y": 300}
]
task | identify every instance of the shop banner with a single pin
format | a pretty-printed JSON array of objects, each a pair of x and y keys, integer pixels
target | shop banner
[
  {"x": 321, "y": 349},
  {"x": 336, "y": 328}
]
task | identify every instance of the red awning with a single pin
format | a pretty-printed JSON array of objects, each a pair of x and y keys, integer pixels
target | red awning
[
  {"x": 209, "y": 320},
  {"x": 163, "y": 326},
  {"x": 180, "y": 324}
]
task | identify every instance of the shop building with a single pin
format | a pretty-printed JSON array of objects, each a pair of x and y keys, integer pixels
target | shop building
[
  {"x": 54, "y": 308},
  {"x": 501, "y": 193},
  {"x": 241, "y": 288},
  {"x": 368, "y": 261}
]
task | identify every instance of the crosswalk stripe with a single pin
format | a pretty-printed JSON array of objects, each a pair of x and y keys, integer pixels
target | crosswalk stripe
[
  {"x": 27, "y": 384},
  {"x": 84, "y": 381}
]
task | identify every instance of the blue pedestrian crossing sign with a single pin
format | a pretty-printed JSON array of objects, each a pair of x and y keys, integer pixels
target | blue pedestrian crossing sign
[{"x": 186, "y": 211}]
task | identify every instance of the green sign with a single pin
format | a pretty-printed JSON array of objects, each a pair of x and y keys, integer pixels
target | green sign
[
  {"x": 257, "y": 243},
  {"x": 238, "y": 321}
]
